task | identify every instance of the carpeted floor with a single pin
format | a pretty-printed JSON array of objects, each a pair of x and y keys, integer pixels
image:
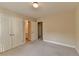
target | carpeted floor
[{"x": 40, "y": 48}]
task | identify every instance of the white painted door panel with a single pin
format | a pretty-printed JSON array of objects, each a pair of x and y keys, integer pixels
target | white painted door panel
[
  {"x": 5, "y": 29},
  {"x": 34, "y": 35},
  {"x": 11, "y": 31}
]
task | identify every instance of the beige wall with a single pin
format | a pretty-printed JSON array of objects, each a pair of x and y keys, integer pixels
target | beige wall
[
  {"x": 77, "y": 29},
  {"x": 60, "y": 28}
]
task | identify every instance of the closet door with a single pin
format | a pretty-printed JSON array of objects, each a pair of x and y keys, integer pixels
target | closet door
[
  {"x": 34, "y": 34},
  {"x": 11, "y": 32},
  {"x": 6, "y": 34},
  {"x": 17, "y": 26}
]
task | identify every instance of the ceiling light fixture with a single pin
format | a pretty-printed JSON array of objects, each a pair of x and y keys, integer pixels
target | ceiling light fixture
[{"x": 35, "y": 4}]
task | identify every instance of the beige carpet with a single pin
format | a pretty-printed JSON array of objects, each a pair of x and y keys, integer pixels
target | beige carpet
[{"x": 41, "y": 48}]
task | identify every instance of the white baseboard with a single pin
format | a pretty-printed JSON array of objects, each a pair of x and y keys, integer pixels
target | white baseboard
[
  {"x": 59, "y": 43},
  {"x": 77, "y": 50}
]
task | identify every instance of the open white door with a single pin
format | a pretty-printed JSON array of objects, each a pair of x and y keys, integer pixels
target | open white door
[{"x": 34, "y": 33}]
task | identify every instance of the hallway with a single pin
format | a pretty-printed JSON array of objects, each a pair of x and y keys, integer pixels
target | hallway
[{"x": 40, "y": 48}]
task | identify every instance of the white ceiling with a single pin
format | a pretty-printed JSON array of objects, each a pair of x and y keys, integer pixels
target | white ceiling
[{"x": 44, "y": 8}]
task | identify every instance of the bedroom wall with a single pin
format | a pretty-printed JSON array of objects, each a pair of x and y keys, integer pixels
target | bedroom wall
[
  {"x": 60, "y": 28},
  {"x": 77, "y": 29}
]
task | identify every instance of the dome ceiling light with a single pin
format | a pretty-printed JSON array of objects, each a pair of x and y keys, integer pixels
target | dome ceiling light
[{"x": 35, "y": 4}]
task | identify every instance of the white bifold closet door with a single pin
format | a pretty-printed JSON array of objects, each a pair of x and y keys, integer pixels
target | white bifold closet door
[
  {"x": 11, "y": 32},
  {"x": 5, "y": 32}
]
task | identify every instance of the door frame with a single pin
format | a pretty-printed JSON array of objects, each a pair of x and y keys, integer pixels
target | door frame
[
  {"x": 29, "y": 31},
  {"x": 41, "y": 24}
]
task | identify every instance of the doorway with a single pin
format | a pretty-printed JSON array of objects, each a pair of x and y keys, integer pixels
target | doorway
[
  {"x": 30, "y": 30},
  {"x": 27, "y": 30},
  {"x": 40, "y": 30}
]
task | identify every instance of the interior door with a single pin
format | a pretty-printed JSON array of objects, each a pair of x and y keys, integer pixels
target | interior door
[{"x": 34, "y": 34}]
